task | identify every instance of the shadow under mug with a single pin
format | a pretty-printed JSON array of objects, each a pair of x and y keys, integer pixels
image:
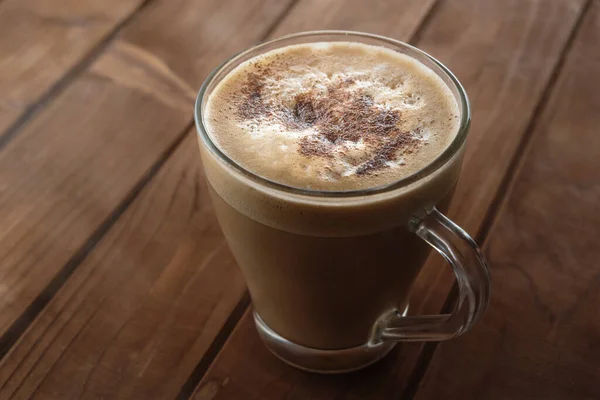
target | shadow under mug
[{"x": 310, "y": 310}]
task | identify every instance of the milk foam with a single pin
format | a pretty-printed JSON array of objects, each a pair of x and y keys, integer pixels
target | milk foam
[{"x": 332, "y": 116}]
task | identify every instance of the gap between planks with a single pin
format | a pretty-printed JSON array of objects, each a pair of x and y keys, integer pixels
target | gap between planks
[
  {"x": 500, "y": 197},
  {"x": 63, "y": 82},
  {"x": 21, "y": 324}
]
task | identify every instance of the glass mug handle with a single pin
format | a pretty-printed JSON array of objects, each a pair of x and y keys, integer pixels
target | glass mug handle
[{"x": 472, "y": 276}]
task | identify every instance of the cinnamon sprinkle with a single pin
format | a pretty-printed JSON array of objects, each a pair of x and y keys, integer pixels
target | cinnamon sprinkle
[{"x": 343, "y": 114}]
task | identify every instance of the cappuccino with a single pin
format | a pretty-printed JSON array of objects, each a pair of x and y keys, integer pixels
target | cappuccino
[{"x": 333, "y": 116}]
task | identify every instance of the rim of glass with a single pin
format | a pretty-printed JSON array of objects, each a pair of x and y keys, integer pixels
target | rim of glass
[{"x": 438, "y": 162}]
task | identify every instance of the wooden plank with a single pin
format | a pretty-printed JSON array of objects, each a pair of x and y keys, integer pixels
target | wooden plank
[
  {"x": 64, "y": 175},
  {"x": 41, "y": 41},
  {"x": 97, "y": 336},
  {"x": 539, "y": 340},
  {"x": 504, "y": 53},
  {"x": 356, "y": 15},
  {"x": 140, "y": 312}
]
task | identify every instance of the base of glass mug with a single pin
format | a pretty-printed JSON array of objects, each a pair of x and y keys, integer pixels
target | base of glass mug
[{"x": 319, "y": 360}]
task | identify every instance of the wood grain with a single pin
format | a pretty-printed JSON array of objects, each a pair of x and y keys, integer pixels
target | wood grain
[
  {"x": 41, "y": 41},
  {"x": 142, "y": 309},
  {"x": 364, "y": 16},
  {"x": 540, "y": 339},
  {"x": 504, "y": 53},
  {"x": 63, "y": 176}
]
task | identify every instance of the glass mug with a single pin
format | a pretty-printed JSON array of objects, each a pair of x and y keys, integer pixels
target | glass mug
[{"x": 329, "y": 273}]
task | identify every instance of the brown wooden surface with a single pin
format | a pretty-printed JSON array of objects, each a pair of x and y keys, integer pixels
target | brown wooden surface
[
  {"x": 42, "y": 41},
  {"x": 116, "y": 281},
  {"x": 68, "y": 173},
  {"x": 162, "y": 272}
]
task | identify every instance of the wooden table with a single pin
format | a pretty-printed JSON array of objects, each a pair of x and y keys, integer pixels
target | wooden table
[{"x": 116, "y": 283}]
